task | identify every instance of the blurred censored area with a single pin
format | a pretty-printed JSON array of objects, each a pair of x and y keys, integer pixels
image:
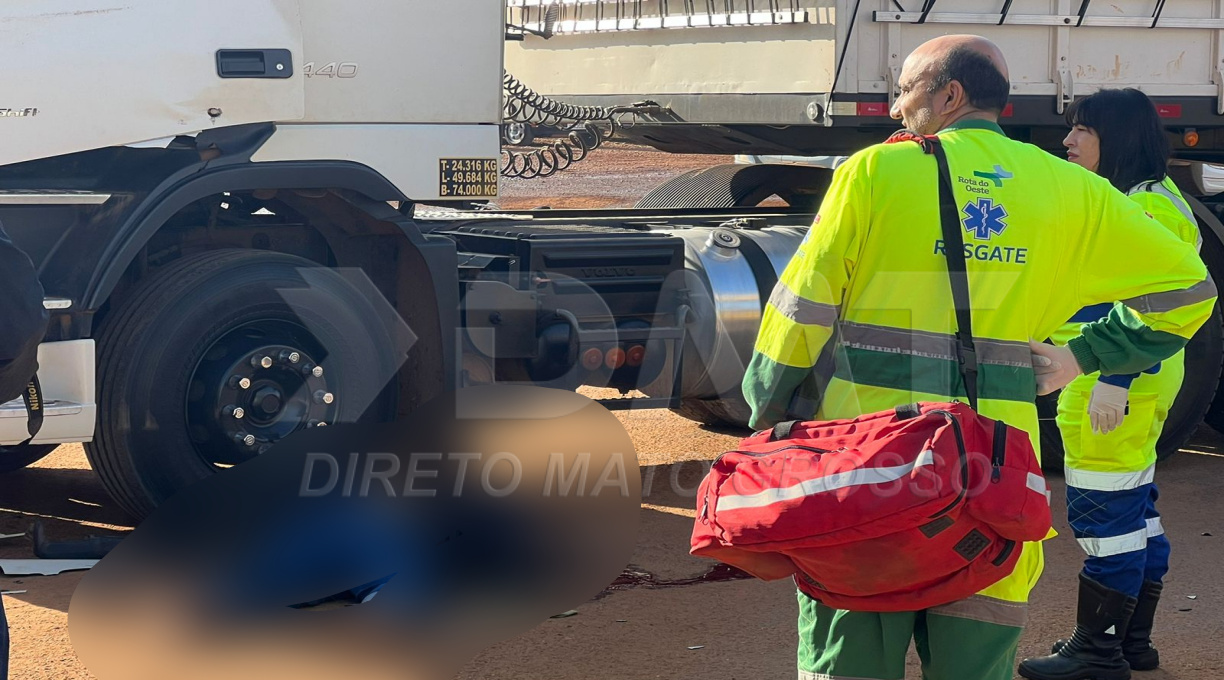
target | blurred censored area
[{"x": 477, "y": 517}]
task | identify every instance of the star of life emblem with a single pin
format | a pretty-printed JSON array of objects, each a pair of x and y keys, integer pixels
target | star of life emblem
[{"x": 984, "y": 219}]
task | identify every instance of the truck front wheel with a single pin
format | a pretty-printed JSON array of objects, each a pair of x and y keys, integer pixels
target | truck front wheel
[{"x": 219, "y": 356}]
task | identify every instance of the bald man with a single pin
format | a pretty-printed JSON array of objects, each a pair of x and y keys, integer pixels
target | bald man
[
  {"x": 929, "y": 69},
  {"x": 869, "y": 292}
]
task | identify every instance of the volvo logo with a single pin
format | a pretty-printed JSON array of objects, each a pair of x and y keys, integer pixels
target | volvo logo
[{"x": 607, "y": 272}]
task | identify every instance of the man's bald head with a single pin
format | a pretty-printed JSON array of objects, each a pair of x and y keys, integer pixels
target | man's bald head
[
  {"x": 939, "y": 49},
  {"x": 951, "y": 78}
]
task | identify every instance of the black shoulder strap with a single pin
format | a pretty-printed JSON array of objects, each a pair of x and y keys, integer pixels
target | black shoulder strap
[
  {"x": 783, "y": 430},
  {"x": 32, "y": 396},
  {"x": 954, "y": 250}
]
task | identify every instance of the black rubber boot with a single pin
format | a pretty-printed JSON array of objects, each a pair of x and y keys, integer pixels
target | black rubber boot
[
  {"x": 1137, "y": 644},
  {"x": 1137, "y": 647},
  {"x": 1095, "y": 649}
]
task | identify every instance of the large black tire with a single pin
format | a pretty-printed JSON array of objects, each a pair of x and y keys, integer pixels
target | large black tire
[
  {"x": 735, "y": 186},
  {"x": 741, "y": 186},
  {"x": 1213, "y": 257},
  {"x": 172, "y": 355},
  {"x": 14, "y": 458},
  {"x": 729, "y": 411},
  {"x": 1051, "y": 441}
]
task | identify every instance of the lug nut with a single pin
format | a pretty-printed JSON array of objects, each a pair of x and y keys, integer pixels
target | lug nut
[
  {"x": 316, "y": 423},
  {"x": 317, "y": 371},
  {"x": 240, "y": 382},
  {"x": 238, "y": 412},
  {"x": 261, "y": 361},
  {"x": 245, "y": 439},
  {"x": 322, "y": 397},
  {"x": 291, "y": 357}
]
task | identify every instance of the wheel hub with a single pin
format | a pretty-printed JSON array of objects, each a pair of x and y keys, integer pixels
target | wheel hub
[
  {"x": 268, "y": 401},
  {"x": 247, "y": 395}
]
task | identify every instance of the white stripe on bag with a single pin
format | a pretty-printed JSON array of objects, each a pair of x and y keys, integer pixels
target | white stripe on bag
[
  {"x": 1115, "y": 545},
  {"x": 1037, "y": 483},
  {"x": 1109, "y": 481},
  {"x": 811, "y": 487}
]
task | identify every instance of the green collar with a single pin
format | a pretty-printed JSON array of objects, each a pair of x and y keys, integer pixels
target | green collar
[{"x": 974, "y": 124}]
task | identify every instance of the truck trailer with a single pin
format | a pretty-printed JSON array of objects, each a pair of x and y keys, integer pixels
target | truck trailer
[
  {"x": 253, "y": 218},
  {"x": 789, "y": 80}
]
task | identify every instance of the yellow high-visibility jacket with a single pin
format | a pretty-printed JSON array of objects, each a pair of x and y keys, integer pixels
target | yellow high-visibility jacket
[
  {"x": 1127, "y": 459},
  {"x": 862, "y": 318}
]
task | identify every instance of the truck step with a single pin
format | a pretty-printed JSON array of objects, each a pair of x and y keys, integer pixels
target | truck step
[
  {"x": 52, "y": 198},
  {"x": 16, "y": 409}
]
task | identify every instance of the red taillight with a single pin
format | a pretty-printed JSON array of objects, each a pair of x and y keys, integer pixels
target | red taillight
[
  {"x": 615, "y": 359},
  {"x": 592, "y": 359},
  {"x": 1169, "y": 110},
  {"x": 872, "y": 109},
  {"x": 1008, "y": 111},
  {"x": 635, "y": 356}
]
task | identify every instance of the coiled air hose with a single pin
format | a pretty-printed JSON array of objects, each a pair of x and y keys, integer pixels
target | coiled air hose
[{"x": 591, "y": 126}]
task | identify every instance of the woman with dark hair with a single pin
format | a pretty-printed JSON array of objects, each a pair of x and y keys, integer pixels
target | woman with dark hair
[{"x": 1110, "y": 424}]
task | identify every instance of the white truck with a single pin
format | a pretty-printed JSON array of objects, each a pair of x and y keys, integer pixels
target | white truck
[
  {"x": 224, "y": 200},
  {"x": 787, "y": 79}
]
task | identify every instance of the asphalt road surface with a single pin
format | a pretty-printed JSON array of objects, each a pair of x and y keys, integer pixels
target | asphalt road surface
[
  {"x": 643, "y": 626},
  {"x": 670, "y": 616}
]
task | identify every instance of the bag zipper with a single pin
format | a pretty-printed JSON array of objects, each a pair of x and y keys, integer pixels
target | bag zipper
[
  {"x": 758, "y": 454},
  {"x": 964, "y": 461},
  {"x": 999, "y": 453}
]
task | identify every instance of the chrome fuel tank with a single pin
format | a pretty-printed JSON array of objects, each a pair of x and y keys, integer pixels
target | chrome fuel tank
[{"x": 730, "y": 274}]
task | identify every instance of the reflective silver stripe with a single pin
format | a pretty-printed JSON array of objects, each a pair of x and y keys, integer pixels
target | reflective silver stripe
[
  {"x": 1174, "y": 299},
  {"x": 1154, "y": 527},
  {"x": 931, "y": 345},
  {"x": 800, "y": 309},
  {"x": 1114, "y": 545},
  {"x": 811, "y": 487},
  {"x": 1036, "y": 482},
  {"x": 1108, "y": 481},
  {"x": 1003, "y": 353},
  {"x": 1177, "y": 201},
  {"x": 986, "y": 610}
]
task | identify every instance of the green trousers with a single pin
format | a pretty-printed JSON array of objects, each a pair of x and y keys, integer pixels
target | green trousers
[{"x": 974, "y": 639}]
